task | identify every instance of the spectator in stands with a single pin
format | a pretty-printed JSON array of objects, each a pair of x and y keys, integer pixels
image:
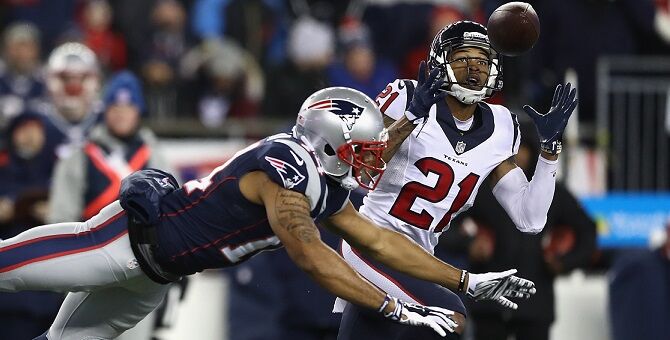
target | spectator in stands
[
  {"x": 73, "y": 83},
  {"x": 96, "y": 26},
  {"x": 51, "y": 17},
  {"x": 358, "y": 66},
  {"x": 639, "y": 294},
  {"x": 605, "y": 28},
  {"x": 440, "y": 17},
  {"x": 90, "y": 177},
  {"x": 21, "y": 83},
  {"x": 223, "y": 80},
  {"x": 310, "y": 51},
  {"x": 25, "y": 170},
  {"x": 566, "y": 242},
  {"x": 27, "y": 162},
  {"x": 167, "y": 43}
]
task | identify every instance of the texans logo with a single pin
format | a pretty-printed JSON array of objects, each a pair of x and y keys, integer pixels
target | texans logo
[
  {"x": 289, "y": 174},
  {"x": 348, "y": 111}
]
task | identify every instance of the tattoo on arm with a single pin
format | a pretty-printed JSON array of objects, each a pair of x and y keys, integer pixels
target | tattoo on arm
[{"x": 293, "y": 210}]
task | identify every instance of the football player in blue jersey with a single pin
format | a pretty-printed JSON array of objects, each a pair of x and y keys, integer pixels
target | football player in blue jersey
[{"x": 269, "y": 195}]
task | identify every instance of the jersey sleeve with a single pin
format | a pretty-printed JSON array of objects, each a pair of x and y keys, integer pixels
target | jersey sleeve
[
  {"x": 516, "y": 140},
  {"x": 292, "y": 167},
  {"x": 395, "y": 98}
]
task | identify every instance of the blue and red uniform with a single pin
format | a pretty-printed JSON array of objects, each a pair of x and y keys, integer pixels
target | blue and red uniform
[
  {"x": 205, "y": 224},
  {"x": 209, "y": 224}
]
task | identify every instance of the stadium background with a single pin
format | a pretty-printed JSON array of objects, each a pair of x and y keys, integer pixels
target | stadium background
[{"x": 219, "y": 74}]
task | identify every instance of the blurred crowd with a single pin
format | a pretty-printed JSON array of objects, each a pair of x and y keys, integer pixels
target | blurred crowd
[{"x": 78, "y": 78}]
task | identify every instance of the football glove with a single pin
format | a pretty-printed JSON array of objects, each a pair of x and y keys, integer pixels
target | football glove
[
  {"x": 426, "y": 94},
  {"x": 417, "y": 315},
  {"x": 141, "y": 193},
  {"x": 499, "y": 287},
  {"x": 550, "y": 126}
]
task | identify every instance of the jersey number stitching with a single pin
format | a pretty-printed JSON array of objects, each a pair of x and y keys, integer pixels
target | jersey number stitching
[
  {"x": 385, "y": 94},
  {"x": 401, "y": 208}
]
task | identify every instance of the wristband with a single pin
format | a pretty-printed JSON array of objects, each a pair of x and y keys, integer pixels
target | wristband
[
  {"x": 461, "y": 283},
  {"x": 386, "y": 302},
  {"x": 552, "y": 148},
  {"x": 413, "y": 118}
]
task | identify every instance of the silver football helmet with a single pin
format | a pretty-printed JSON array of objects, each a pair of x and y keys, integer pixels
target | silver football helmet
[{"x": 346, "y": 130}]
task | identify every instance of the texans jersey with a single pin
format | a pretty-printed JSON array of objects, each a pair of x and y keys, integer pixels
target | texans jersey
[
  {"x": 208, "y": 223},
  {"x": 434, "y": 176}
]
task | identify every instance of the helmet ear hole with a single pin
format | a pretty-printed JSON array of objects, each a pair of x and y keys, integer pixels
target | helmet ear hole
[{"x": 329, "y": 150}]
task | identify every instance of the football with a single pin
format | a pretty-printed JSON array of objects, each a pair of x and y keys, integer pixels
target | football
[{"x": 513, "y": 28}]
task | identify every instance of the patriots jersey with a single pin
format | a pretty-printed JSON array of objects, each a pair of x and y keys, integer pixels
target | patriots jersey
[
  {"x": 434, "y": 176},
  {"x": 208, "y": 223}
]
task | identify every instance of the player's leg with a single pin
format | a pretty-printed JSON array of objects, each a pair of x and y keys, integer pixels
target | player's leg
[
  {"x": 489, "y": 327},
  {"x": 532, "y": 329},
  {"x": 107, "y": 312},
  {"x": 361, "y": 323},
  {"x": 69, "y": 256}
]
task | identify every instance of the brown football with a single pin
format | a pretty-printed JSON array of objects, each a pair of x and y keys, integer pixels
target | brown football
[{"x": 513, "y": 28}]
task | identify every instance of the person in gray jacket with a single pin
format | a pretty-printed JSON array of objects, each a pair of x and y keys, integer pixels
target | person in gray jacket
[{"x": 89, "y": 178}]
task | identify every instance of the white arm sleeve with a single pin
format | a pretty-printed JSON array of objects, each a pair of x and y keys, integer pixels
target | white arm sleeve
[{"x": 527, "y": 203}]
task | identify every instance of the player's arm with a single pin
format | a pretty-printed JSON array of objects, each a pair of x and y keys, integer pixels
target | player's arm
[
  {"x": 289, "y": 216},
  {"x": 394, "y": 249},
  {"x": 402, "y": 254},
  {"x": 426, "y": 94},
  {"x": 527, "y": 203}
]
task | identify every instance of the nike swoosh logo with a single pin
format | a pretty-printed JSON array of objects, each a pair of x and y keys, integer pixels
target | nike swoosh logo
[{"x": 297, "y": 159}]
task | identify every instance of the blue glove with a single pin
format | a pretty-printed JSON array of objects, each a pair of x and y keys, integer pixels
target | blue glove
[
  {"x": 426, "y": 94},
  {"x": 141, "y": 193},
  {"x": 550, "y": 126}
]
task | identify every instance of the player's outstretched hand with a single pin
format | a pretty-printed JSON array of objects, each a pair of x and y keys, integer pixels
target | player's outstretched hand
[
  {"x": 426, "y": 94},
  {"x": 550, "y": 126},
  {"x": 499, "y": 287},
  {"x": 417, "y": 315}
]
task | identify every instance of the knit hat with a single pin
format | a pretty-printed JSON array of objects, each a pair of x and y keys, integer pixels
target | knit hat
[{"x": 124, "y": 88}]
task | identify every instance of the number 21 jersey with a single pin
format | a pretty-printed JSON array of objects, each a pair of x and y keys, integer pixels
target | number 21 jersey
[{"x": 438, "y": 169}]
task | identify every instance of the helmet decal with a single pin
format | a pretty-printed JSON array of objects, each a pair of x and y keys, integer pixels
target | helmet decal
[
  {"x": 346, "y": 129},
  {"x": 347, "y": 111}
]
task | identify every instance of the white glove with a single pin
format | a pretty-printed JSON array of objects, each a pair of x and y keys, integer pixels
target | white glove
[
  {"x": 417, "y": 315},
  {"x": 499, "y": 286}
]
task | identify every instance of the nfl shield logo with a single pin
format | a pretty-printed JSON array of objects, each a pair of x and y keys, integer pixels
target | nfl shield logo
[{"x": 460, "y": 147}]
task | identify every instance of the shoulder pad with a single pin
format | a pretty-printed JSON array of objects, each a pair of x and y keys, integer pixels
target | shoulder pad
[{"x": 292, "y": 166}]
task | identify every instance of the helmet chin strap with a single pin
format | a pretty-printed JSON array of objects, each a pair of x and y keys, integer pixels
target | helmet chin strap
[
  {"x": 349, "y": 182},
  {"x": 465, "y": 96}
]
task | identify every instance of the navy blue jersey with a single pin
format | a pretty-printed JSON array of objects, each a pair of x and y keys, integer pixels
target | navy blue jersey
[{"x": 209, "y": 224}]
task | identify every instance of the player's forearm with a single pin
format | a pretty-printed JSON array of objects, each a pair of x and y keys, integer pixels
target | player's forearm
[
  {"x": 527, "y": 203},
  {"x": 398, "y": 132},
  {"x": 404, "y": 255},
  {"x": 331, "y": 272}
]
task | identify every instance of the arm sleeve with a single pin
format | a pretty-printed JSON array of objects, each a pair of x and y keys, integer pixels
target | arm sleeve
[
  {"x": 527, "y": 203},
  {"x": 66, "y": 197}
]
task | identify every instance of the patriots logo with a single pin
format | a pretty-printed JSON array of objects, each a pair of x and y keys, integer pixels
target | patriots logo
[
  {"x": 348, "y": 111},
  {"x": 288, "y": 173}
]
